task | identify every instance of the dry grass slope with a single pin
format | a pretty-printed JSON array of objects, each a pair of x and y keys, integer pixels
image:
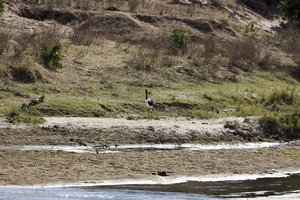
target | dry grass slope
[{"x": 113, "y": 50}]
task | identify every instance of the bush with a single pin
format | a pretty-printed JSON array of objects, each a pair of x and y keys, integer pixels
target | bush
[
  {"x": 1, "y": 7},
  {"x": 239, "y": 51},
  {"x": 143, "y": 61},
  {"x": 271, "y": 126},
  {"x": 210, "y": 48},
  {"x": 290, "y": 9},
  {"x": 180, "y": 40},
  {"x": 18, "y": 116},
  {"x": 296, "y": 72},
  {"x": 196, "y": 55},
  {"x": 26, "y": 44},
  {"x": 250, "y": 28},
  {"x": 290, "y": 40},
  {"x": 27, "y": 73},
  {"x": 51, "y": 55},
  {"x": 282, "y": 127},
  {"x": 281, "y": 97}
]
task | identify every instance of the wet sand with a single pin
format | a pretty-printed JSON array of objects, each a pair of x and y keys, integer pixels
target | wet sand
[{"x": 44, "y": 167}]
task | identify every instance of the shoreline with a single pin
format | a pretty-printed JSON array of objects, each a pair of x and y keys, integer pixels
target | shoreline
[
  {"x": 166, "y": 180},
  {"x": 27, "y": 167}
]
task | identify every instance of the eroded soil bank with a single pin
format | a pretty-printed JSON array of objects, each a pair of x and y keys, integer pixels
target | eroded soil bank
[
  {"x": 43, "y": 167},
  {"x": 96, "y": 131}
]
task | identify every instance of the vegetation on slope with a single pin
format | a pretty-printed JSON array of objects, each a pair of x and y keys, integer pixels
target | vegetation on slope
[
  {"x": 193, "y": 66},
  {"x": 1, "y": 7},
  {"x": 290, "y": 10}
]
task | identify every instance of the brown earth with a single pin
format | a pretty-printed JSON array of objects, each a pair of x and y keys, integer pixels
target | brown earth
[
  {"x": 96, "y": 131},
  {"x": 41, "y": 167}
]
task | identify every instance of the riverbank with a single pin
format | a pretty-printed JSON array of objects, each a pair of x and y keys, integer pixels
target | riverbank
[
  {"x": 111, "y": 131},
  {"x": 45, "y": 167}
]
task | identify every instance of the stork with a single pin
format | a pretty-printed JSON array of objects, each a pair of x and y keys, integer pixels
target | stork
[{"x": 148, "y": 102}]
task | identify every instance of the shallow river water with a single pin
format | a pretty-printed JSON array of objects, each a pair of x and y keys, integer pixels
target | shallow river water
[
  {"x": 287, "y": 187},
  {"x": 139, "y": 147}
]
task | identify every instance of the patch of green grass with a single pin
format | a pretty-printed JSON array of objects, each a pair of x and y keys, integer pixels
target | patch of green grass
[
  {"x": 19, "y": 116},
  {"x": 5, "y": 95},
  {"x": 281, "y": 97},
  {"x": 75, "y": 106},
  {"x": 289, "y": 154},
  {"x": 198, "y": 113}
]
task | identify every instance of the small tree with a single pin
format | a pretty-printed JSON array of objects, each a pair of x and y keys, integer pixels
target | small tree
[
  {"x": 290, "y": 9},
  {"x": 51, "y": 55},
  {"x": 1, "y": 7},
  {"x": 180, "y": 39}
]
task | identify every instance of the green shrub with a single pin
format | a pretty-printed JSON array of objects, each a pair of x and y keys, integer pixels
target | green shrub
[
  {"x": 282, "y": 127},
  {"x": 51, "y": 55},
  {"x": 291, "y": 125},
  {"x": 20, "y": 116},
  {"x": 270, "y": 125},
  {"x": 180, "y": 40},
  {"x": 281, "y": 97},
  {"x": 250, "y": 28},
  {"x": 1, "y": 7}
]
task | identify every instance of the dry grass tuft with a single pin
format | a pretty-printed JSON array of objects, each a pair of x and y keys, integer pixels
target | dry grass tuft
[
  {"x": 28, "y": 72},
  {"x": 290, "y": 41},
  {"x": 133, "y": 5},
  {"x": 242, "y": 51}
]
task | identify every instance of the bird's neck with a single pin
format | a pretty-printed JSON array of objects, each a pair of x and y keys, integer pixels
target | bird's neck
[{"x": 146, "y": 92}]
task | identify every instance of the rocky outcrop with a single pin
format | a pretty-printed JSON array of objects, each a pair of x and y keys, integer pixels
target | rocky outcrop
[{"x": 248, "y": 130}]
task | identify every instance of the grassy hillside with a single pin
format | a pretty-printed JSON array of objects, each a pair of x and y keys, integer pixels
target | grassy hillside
[{"x": 198, "y": 61}]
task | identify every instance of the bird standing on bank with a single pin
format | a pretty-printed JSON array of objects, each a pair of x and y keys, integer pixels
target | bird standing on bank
[{"x": 148, "y": 102}]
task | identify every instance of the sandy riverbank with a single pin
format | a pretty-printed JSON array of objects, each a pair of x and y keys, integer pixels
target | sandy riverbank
[
  {"x": 42, "y": 167},
  {"x": 93, "y": 131}
]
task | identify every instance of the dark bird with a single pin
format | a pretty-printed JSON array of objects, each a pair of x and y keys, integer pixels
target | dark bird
[{"x": 148, "y": 102}]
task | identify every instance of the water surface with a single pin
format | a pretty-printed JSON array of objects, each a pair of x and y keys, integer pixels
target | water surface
[
  {"x": 274, "y": 187},
  {"x": 139, "y": 147}
]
